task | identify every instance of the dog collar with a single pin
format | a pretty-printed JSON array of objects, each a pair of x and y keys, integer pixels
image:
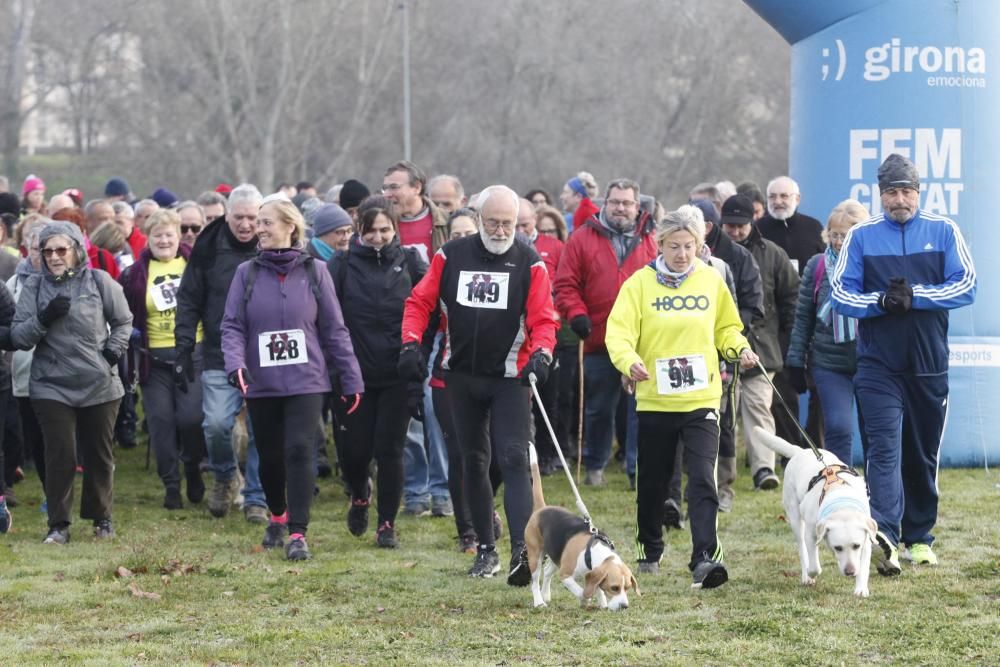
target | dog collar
[
  {"x": 594, "y": 539},
  {"x": 845, "y": 503}
]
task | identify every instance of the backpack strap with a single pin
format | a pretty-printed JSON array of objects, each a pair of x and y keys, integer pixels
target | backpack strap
[
  {"x": 818, "y": 277},
  {"x": 248, "y": 285}
]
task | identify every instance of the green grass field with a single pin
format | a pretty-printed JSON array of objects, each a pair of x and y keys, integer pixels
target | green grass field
[{"x": 219, "y": 599}]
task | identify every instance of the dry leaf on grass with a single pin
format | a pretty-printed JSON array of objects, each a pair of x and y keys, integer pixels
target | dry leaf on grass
[
  {"x": 410, "y": 564},
  {"x": 139, "y": 593},
  {"x": 123, "y": 572}
]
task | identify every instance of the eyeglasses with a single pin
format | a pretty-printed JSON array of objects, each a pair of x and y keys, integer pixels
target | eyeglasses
[
  {"x": 836, "y": 236},
  {"x": 391, "y": 187},
  {"x": 491, "y": 225},
  {"x": 61, "y": 251},
  {"x": 620, "y": 203},
  {"x": 190, "y": 229}
]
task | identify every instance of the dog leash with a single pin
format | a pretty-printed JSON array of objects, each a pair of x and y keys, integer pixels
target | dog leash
[
  {"x": 532, "y": 379},
  {"x": 791, "y": 414}
]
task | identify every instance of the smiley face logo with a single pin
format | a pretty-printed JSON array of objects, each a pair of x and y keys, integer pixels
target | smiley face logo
[{"x": 841, "y": 62}]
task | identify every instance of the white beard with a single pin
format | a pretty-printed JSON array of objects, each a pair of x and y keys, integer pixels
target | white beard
[
  {"x": 781, "y": 215},
  {"x": 496, "y": 247}
]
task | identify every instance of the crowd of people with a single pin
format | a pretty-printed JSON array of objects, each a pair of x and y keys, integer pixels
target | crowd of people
[{"x": 409, "y": 323}]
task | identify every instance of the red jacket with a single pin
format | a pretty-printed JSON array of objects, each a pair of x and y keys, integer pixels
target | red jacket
[
  {"x": 550, "y": 250},
  {"x": 589, "y": 276},
  {"x": 104, "y": 260},
  {"x": 137, "y": 242}
]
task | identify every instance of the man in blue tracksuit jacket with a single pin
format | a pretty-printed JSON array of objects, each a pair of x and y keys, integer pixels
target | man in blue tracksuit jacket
[{"x": 900, "y": 273}]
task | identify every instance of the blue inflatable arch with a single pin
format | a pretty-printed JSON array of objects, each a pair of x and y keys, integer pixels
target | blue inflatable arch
[{"x": 874, "y": 77}]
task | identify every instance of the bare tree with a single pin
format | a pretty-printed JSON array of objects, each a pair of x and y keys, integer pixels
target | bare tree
[{"x": 12, "y": 86}]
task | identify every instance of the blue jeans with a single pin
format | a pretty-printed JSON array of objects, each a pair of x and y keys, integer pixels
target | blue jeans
[
  {"x": 221, "y": 403},
  {"x": 836, "y": 397},
  {"x": 425, "y": 467},
  {"x": 602, "y": 389}
]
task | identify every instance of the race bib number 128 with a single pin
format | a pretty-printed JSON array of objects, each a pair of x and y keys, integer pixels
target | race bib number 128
[
  {"x": 482, "y": 289},
  {"x": 282, "y": 348}
]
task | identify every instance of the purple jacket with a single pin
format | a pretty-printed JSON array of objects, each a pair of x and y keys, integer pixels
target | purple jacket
[{"x": 282, "y": 301}]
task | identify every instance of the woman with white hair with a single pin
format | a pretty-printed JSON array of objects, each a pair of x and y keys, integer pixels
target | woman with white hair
[{"x": 670, "y": 322}]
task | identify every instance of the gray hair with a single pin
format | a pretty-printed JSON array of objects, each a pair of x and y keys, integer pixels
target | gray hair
[
  {"x": 726, "y": 189},
  {"x": 446, "y": 178},
  {"x": 145, "y": 202},
  {"x": 488, "y": 192},
  {"x": 191, "y": 204},
  {"x": 246, "y": 192},
  {"x": 88, "y": 209},
  {"x": 208, "y": 198},
  {"x": 774, "y": 181},
  {"x": 707, "y": 191},
  {"x": 622, "y": 184},
  {"x": 332, "y": 195},
  {"x": 121, "y": 207},
  {"x": 685, "y": 219}
]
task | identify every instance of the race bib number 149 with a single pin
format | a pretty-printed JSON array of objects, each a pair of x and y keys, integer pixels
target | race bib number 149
[
  {"x": 482, "y": 289},
  {"x": 282, "y": 348}
]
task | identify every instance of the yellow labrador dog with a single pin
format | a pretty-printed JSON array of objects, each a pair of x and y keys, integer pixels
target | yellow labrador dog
[{"x": 826, "y": 501}]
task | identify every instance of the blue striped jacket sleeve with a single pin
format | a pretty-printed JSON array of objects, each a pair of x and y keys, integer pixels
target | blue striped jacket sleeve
[
  {"x": 847, "y": 280},
  {"x": 959, "y": 287}
]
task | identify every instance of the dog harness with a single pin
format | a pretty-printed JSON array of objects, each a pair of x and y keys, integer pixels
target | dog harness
[
  {"x": 830, "y": 476},
  {"x": 596, "y": 537}
]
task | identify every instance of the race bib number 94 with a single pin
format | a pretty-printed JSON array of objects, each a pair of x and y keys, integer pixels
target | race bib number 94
[
  {"x": 680, "y": 375},
  {"x": 164, "y": 294},
  {"x": 282, "y": 348},
  {"x": 482, "y": 289}
]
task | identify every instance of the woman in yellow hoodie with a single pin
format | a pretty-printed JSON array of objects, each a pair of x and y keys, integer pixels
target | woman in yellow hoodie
[{"x": 671, "y": 321}]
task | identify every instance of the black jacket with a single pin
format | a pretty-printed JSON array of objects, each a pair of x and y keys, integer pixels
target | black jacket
[
  {"x": 799, "y": 236},
  {"x": 770, "y": 335},
  {"x": 372, "y": 287},
  {"x": 746, "y": 274},
  {"x": 7, "y": 309},
  {"x": 205, "y": 286}
]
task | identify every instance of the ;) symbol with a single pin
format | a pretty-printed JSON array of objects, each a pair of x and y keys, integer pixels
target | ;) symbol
[{"x": 841, "y": 62}]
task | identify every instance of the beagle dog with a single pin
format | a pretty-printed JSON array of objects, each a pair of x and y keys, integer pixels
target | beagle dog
[
  {"x": 574, "y": 551},
  {"x": 826, "y": 501}
]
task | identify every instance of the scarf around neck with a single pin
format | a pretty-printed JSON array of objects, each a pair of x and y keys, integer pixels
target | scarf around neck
[{"x": 669, "y": 278}]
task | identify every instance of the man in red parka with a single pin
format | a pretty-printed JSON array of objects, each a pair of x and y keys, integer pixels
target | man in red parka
[{"x": 599, "y": 256}]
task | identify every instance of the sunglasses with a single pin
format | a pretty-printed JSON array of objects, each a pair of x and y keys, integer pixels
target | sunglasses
[
  {"x": 190, "y": 229},
  {"x": 61, "y": 251}
]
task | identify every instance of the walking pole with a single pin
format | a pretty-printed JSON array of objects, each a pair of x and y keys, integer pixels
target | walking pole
[{"x": 579, "y": 436}]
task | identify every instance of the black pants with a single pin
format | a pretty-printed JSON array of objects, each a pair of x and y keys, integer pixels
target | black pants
[
  {"x": 727, "y": 446},
  {"x": 173, "y": 417},
  {"x": 456, "y": 476},
  {"x": 376, "y": 429},
  {"x": 550, "y": 401},
  {"x": 32, "y": 435},
  {"x": 12, "y": 444},
  {"x": 660, "y": 435},
  {"x": 567, "y": 422},
  {"x": 784, "y": 424},
  {"x": 127, "y": 419},
  {"x": 493, "y": 410},
  {"x": 64, "y": 427},
  {"x": 283, "y": 432}
]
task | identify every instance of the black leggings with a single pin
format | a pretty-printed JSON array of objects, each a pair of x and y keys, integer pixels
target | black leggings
[
  {"x": 501, "y": 405},
  {"x": 32, "y": 434},
  {"x": 456, "y": 478},
  {"x": 660, "y": 435},
  {"x": 377, "y": 428},
  {"x": 285, "y": 447}
]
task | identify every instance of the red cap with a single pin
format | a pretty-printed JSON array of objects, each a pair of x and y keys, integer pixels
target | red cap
[{"x": 223, "y": 188}]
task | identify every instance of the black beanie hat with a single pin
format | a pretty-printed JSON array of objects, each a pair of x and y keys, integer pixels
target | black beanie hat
[
  {"x": 898, "y": 172},
  {"x": 353, "y": 193}
]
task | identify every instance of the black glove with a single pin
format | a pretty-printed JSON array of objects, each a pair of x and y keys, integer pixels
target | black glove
[
  {"x": 412, "y": 366},
  {"x": 898, "y": 298},
  {"x": 240, "y": 378},
  {"x": 415, "y": 400},
  {"x": 55, "y": 309},
  {"x": 183, "y": 370},
  {"x": 581, "y": 326},
  {"x": 797, "y": 378},
  {"x": 538, "y": 365},
  {"x": 110, "y": 357}
]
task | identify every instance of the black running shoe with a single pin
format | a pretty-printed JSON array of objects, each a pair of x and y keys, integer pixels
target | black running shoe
[
  {"x": 195, "y": 484},
  {"x": 103, "y": 529},
  {"x": 709, "y": 574},
  {"x": 519, "y": 574},
  {"x": 672, "y": 517},
  {"x": 297, "y": 549},
  {"x": 357, "y": 517},
  {"x": 487, "y": 563},
  {"x": 274, "y": 535},
  {"x": 172, "y": 499},
  {"x": 385, "y": 536}
]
